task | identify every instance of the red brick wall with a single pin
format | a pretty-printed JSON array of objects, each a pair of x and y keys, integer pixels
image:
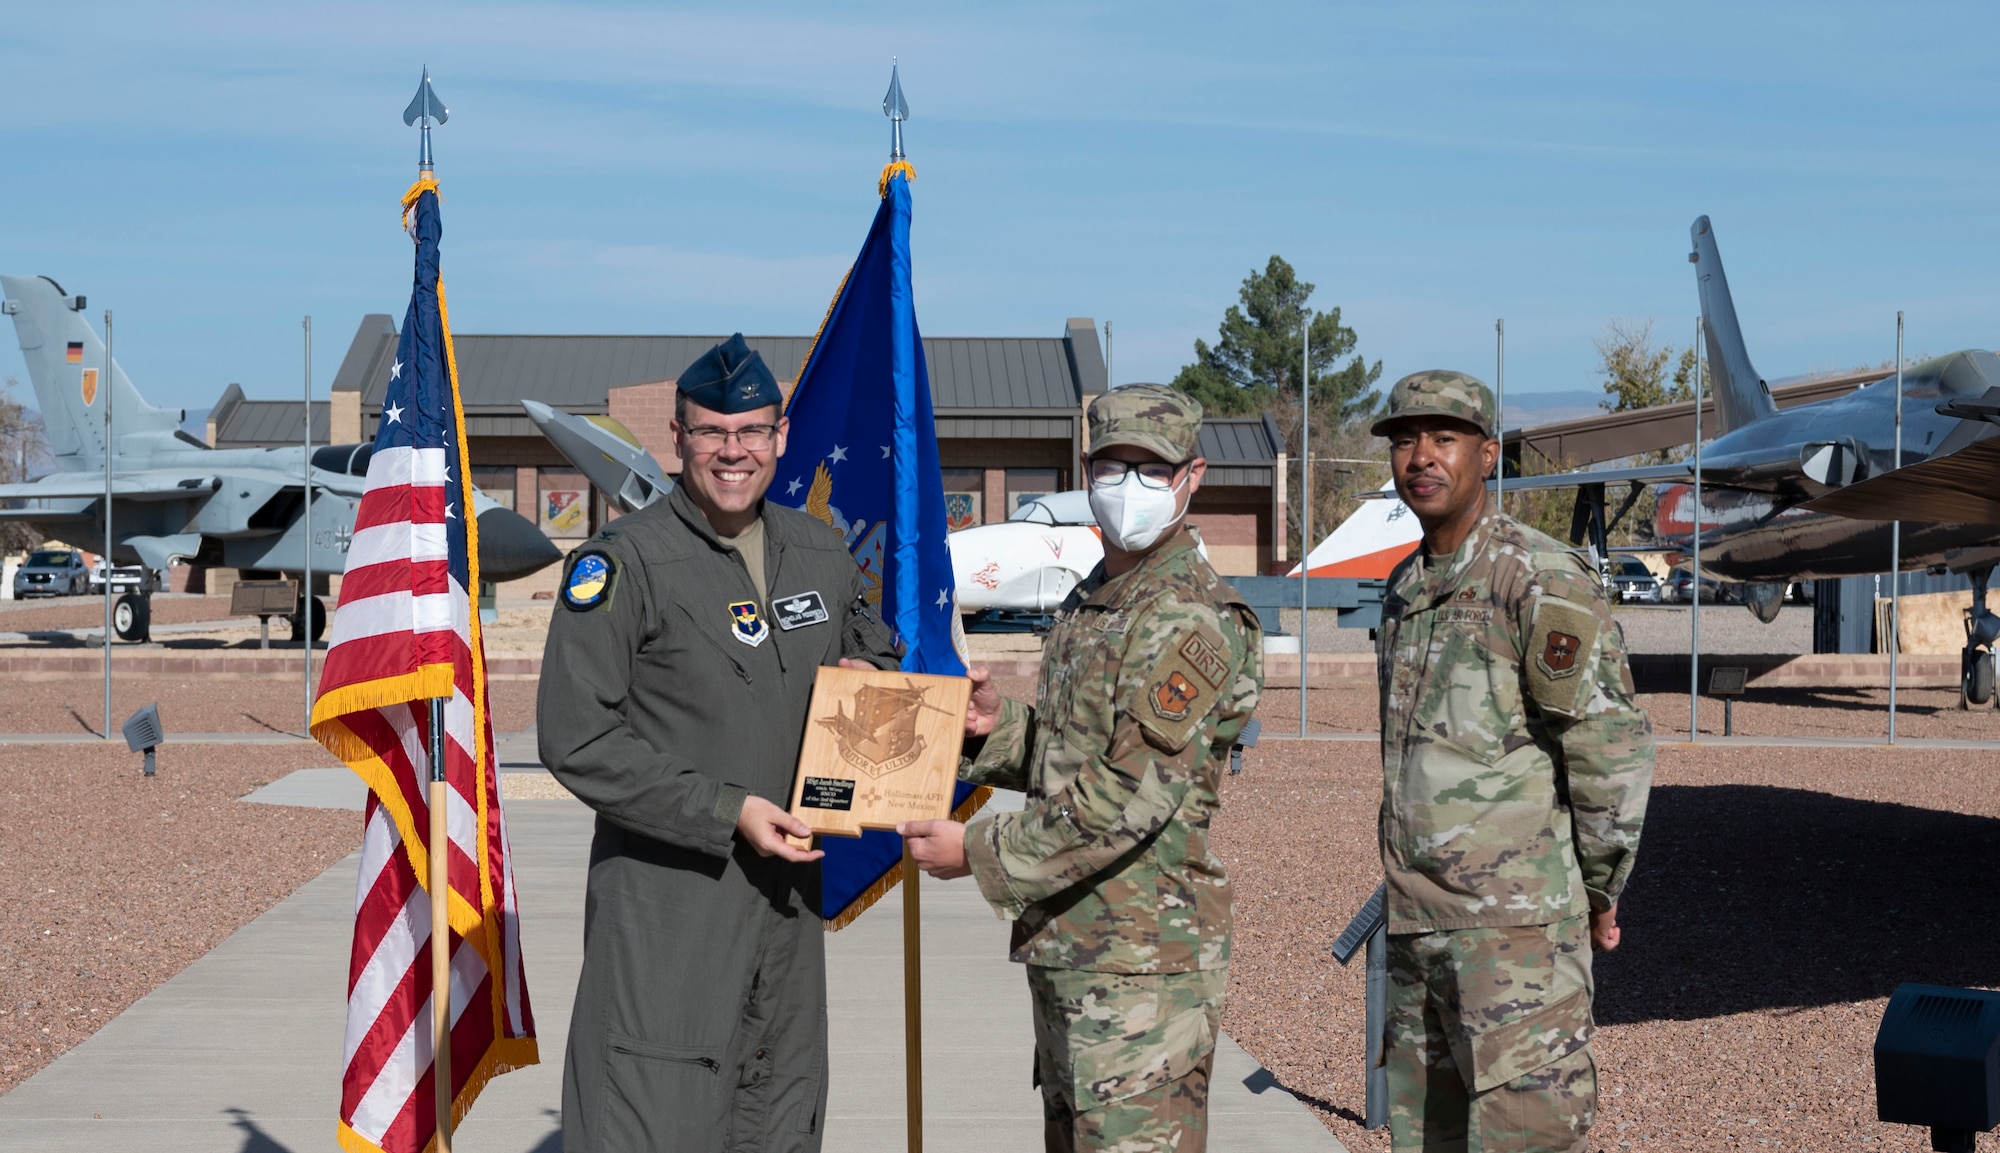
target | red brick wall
[{"x": 648, "y": 410}]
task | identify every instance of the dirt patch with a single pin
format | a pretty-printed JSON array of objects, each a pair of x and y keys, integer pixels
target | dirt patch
[{"x": 114, "y": 883}]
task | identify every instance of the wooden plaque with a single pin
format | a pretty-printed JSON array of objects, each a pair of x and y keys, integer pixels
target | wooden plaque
[{"x": 880, "y": 747}]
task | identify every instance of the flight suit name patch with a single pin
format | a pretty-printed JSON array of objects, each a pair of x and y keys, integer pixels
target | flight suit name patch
[
  {"x": 796, "y": 612},
  {"x": 747, "y": 624}
]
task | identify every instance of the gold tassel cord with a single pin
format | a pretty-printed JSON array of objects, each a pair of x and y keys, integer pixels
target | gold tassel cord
[{"x": 894, "y": 166}]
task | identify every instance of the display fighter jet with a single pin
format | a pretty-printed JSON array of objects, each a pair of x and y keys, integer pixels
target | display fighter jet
[
  {"x": 1771, "y": 475},
  {"x": 174, "y": 497}
]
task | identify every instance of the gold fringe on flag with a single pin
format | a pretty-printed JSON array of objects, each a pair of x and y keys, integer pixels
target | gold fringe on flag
[
  {"x": 894, "y": 166},
  {"x": 889, "y": 880}
]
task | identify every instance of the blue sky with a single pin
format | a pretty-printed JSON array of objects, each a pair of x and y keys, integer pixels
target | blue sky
[{"x": 215, "y": 171}]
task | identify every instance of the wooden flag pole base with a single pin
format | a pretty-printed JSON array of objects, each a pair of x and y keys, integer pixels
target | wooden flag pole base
[
  {"x": 913, "y": 1017},
  {"x": 440, "y": 882}
]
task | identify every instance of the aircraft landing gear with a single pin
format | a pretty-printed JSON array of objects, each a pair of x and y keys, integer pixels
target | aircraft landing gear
[
  {"x": 1975, "y": 661},
  {"x": 132, "y": 617},
  {"x": 317, "y": 619}
]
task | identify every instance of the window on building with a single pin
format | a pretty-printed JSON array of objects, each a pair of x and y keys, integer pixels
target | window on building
[
  {"x": 964, "y": 497},
  {"x": 1025, "y": 484}
]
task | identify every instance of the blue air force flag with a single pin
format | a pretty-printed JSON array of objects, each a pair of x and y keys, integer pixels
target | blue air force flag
[{"x": 862, "y": 456}]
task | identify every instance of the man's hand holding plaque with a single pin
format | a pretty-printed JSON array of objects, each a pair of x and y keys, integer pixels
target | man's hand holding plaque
[{"x": 938, "y": 846}]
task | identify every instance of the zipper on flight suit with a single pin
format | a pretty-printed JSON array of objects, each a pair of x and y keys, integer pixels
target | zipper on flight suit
[{"x": 724, "y": 653}]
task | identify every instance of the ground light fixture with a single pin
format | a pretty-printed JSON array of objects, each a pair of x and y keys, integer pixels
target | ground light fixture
[
  {"x": 143, "y": 733},
  {"x": 1937, "y": 1063}
]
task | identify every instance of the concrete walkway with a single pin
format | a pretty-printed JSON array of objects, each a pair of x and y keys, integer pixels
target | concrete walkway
[{"x": 241, "y": 1051}]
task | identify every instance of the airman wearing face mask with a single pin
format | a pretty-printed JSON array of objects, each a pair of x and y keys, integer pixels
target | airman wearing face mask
[{"x": 1120, "y": 910}]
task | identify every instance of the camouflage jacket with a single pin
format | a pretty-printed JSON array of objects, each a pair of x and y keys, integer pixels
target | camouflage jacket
[
  {"x": 1146, "y": 680},
  {"x": 1515, "y": 765}
]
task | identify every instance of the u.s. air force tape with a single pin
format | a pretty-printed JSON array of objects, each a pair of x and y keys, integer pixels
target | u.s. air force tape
[{"x": 587, "y": 584}]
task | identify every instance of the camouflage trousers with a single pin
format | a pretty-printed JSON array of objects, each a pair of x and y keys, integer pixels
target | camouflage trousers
[
  {"x": 1488, "y": 1039},
  {"x": 1123, "y": 1059}
]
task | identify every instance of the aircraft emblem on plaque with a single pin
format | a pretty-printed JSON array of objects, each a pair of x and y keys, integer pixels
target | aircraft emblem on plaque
[{"x": 880, "y": 747}]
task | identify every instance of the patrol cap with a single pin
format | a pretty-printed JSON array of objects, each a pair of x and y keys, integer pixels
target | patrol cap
[
  {"x": 1438, "y": 392},
  {"x": 1164, "y": 421},
  {"x": 730, "y": 378}
]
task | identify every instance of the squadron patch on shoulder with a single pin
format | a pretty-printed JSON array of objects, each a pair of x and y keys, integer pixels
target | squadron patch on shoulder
[
  {"x": 1180, "y": 690},
  {"x": 588, "y": 583},
  {"x": 1561, "y": 636}
]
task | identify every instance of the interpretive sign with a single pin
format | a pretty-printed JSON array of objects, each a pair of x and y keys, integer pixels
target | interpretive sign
[{"x": 880, "y": 747}]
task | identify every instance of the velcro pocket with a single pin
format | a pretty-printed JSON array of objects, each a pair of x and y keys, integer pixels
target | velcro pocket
[
  {"x": 661, "y": 1096},
  {"x": 1519, "y": 1047},
  {"x": 1141, "y": 1060}
]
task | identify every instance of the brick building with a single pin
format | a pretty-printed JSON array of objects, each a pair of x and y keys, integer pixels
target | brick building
[{"x": 1009, "y": 415}]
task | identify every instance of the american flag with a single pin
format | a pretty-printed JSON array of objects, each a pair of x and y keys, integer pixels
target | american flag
[{"x": 408, "y": 630}]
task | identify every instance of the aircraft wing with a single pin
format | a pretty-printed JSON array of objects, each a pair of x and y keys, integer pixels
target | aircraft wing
[
  {"x": 131, "y": 486},
  {"x": 1955, "y": 487},
  {"x": 1675, "y": 473}
]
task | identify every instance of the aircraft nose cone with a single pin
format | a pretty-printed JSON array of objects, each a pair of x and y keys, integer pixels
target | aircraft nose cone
[{"x": 511, "y": 547}]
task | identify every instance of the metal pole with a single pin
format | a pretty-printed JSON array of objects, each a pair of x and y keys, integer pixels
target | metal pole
[
  {"x": 306, "y": 585},
  {"x": 913, "y": 997},
  {"x": 110, "y": 370},
  {"x": 440, "y": 886},
  {"x": 1500, "y": 409},
  {"x": 1375, "y": 1107},
  {"x": 1110, "y": 378},
  {"x": 1305, "y": 516},
  {"x": 1694, "y": 587},
  {"x": 1896, "y": 546}
]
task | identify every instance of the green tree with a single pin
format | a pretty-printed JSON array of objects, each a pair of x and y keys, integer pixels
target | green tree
[
  {"x": 1255, "y": 363},
  {"x": 1635, "y": 373},
  {"x": 21, "y": 444}
]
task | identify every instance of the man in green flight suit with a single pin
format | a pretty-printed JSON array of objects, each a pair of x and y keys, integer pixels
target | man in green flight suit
[
  {"x": 1120, "y": 911},
  {"x": 673, "y": 703},
  {"x": 1515, "y": 771}
]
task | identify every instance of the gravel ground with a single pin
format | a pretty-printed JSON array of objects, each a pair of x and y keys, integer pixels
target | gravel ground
[
  {"x": 114, "y": 883},
  {"x": 273, "y": 704},
  {"x": 1781, "y": 895}
]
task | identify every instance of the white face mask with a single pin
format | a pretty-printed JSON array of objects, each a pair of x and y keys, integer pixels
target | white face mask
[{"x": 1132, "y": 515}]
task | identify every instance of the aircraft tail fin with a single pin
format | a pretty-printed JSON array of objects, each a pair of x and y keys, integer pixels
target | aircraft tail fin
[
  {"x": 1741, "y": 396},
  {"x": 65, "y": 365}
]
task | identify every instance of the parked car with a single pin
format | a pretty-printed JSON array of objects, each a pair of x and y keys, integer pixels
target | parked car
[
  {"x": 52, "y": 572},
  {"x": 1712, "y": 591},
  {"x": 1633, "y": 583},
  {"x": 124, "y": 578}
]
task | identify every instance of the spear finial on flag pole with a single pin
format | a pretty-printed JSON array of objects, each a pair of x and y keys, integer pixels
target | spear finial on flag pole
[
  {"x": 427, "y": 108},
  {"x": 897, "y": 110},
  {"x": 894, "y": 107}
]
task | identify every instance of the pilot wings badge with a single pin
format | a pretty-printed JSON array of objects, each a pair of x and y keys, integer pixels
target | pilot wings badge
[{"x": 881, "y": 736}]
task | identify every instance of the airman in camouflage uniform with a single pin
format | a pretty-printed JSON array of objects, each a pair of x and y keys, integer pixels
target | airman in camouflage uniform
[
  {"x": 1120, "y": 910},
  {"x": 1515, "y": 774}
]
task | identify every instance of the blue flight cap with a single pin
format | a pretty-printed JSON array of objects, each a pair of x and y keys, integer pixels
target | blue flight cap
[{"x": 730, "y": 378}]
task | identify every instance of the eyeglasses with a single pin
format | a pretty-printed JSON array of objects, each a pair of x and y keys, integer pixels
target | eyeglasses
[
  {"x": 1152, "y": 473},
  {"x": 753, "y": 437}
]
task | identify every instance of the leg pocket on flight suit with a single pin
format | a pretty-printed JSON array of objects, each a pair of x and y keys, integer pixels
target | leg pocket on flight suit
[
  {"x": 661, "y": 1096},
  {"x": 1517, "y": 1048}
]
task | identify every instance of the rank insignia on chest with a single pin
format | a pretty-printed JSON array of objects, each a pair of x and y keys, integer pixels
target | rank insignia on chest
[
  {"x": 588, "y": 584},
  {"x": 747, "y": 624}
]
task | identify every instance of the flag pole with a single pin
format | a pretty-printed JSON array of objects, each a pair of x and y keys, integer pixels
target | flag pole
[
  {"x": 440, "y": 879},
  {"x": 898, "y": 110},
  {"x": 913, "y": 1016}
]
